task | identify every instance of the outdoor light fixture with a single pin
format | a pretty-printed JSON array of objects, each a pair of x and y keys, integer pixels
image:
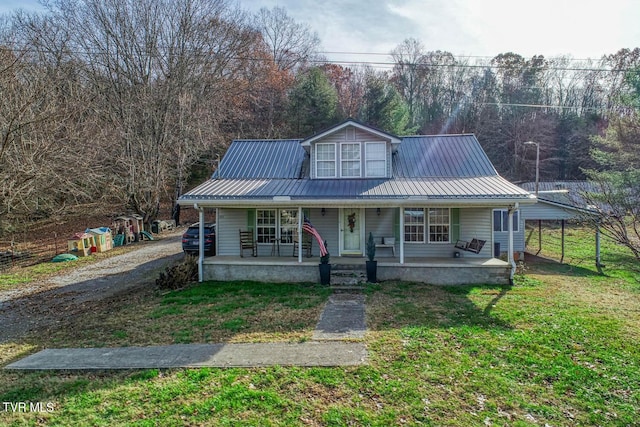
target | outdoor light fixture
[
  {"x": 323, "y": 211},
  {"x": 378, "y": 211}
]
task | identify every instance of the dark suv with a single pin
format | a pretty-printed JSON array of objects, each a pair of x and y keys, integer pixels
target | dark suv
[{"x": 190, "y": 239}]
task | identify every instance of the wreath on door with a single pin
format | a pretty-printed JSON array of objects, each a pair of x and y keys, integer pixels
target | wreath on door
[{"x": 352, "y": 221}]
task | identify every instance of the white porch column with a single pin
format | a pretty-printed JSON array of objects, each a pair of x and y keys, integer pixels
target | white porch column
[
  {"x": 511, "y": 261},
  {"x": 598, "y": 259},
  {"x": 300, "y": 219},
  {"x": 401, "y": 235},
  {"x": 200, "y": 242}
]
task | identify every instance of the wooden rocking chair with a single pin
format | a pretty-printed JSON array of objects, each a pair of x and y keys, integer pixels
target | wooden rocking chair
[
  {"x": 247, "y": 242},
  {"x": 306, "y": 243}
]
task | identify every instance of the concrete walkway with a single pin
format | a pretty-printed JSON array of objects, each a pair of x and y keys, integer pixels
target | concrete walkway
[{"x": 342, "y": 318}]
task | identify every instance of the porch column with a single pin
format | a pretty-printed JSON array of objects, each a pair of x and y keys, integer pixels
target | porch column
[
  {"x": 598, "y": 260},
  {"x": 510, "y": 259},
  {"x": 200, "y": 242},
  {"x": 300, "y": 233},
  {"x": 401, "y": 235}
]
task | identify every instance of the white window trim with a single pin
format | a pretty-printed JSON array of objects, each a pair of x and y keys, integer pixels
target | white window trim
[
  {"x": 263, "y": 226},
  {"x": 359, "y": 160},
  {"x": 428, "y": 229},
  {"x": 503, "y": 229},
  {"x": 278, "y": 224},
  {"x": 335, "y": 159},
  {"x": 424, "y": 229},
  {"x": 366, "y": 144},
  {"x": 426, "y": 235}
]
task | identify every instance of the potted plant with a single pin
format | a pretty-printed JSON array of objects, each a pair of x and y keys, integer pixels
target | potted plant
[
  {"x": 372, "y": 265},
  {"x": 325, "y": 268}
]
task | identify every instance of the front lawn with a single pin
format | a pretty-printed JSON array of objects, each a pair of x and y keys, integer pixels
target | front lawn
[{"x": 559, "y": 348}]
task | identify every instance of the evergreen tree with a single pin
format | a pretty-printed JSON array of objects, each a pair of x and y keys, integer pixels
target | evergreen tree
[{"x": 312, "y": 103}]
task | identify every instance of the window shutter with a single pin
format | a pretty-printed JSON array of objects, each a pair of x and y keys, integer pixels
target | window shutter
[
  {"x": 455, "y": 224},
  {"x": 251, "y": 220}
]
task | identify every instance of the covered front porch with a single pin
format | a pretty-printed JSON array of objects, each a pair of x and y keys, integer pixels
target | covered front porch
[{"x": 434, "y": 270}]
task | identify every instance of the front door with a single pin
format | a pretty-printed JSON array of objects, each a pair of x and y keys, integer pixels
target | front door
[{"x": 351, "y": 227}]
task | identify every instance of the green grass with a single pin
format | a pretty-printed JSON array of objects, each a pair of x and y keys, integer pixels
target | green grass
[
  {"x": 558, "y": 348},
  {"x": 10, "y": 278}
]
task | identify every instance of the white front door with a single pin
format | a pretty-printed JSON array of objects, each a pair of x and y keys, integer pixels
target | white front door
[{"x": 351, "y": 231}]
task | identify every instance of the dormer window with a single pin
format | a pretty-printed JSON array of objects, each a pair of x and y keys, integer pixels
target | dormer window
[
  {"x": 376, "y": 159},
  {"x": 350, "y": 160},
  {"x": 326, "y": 160}
]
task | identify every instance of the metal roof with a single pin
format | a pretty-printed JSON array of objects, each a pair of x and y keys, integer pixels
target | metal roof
[
  {"x": 424, "y": 167},
  {"x": 264, "y": 158},
  {"x": 441, "y": 156},
  {"x": 489, "y": 187}
]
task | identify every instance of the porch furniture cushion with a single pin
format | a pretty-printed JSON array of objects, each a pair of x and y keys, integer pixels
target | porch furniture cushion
[
  {"x": 474, "y": 245},
  {"x": 247, "y": 242}
]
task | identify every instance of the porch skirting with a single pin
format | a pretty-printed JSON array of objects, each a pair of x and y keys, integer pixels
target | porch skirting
[{"x": 437, "y": 271}]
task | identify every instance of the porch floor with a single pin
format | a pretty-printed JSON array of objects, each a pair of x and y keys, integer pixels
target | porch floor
[{"x": 355, "y": 261}]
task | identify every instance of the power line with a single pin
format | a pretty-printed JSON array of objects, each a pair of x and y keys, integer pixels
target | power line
[{"x": 374, "y": 64}]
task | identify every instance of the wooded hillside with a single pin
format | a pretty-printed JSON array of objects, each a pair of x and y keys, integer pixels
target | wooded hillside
[{"x": 115, "y": 105}]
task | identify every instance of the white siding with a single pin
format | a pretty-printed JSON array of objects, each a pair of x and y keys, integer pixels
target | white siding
[
  {"x": 349, "y": 134},
  {"x": 327, "y": 226},
  {"x": 502, "y": 237},
  {"x": 229, "y": 222},
  {"x": 475, "y": 223}
]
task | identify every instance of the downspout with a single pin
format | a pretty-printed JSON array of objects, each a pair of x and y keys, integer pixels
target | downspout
[
  {"x": 511, "y": 261},
  {"x": 200, "y": 242},
  {"x": 401, "y": 222},
  {"x": 300, "y": 234}
]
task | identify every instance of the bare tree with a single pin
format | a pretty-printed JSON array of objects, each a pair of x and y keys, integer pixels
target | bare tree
[
  {"x": 291, "y": 43},
  {"x": 45, "y": 166},
  {"x": 160, "y": 72}
]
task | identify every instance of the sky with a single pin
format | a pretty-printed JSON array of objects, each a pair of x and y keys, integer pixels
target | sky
[{"x": 578, "y": 28}]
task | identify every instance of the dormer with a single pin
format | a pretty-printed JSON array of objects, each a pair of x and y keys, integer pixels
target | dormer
[{"x": 351, "y": 150}]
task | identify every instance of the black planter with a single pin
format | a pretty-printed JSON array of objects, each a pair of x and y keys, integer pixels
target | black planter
[
  {"x": 325, "y": 274},
  {"x": 372, "y": 271}
]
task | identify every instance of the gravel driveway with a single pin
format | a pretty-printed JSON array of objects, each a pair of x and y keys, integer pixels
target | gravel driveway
[{"x": 36, "y": 306}]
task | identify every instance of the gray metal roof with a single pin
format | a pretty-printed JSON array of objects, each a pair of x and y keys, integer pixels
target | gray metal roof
[
  {"x": 441, "y": 156},
  {"x": 282, "y": 158},
  {"x": 416, "y": 157},
  {"x": 424, "y": 167},
  {"x": 489, "y": 187}
]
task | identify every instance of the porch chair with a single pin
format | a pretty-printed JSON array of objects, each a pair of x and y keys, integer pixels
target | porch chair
[
  {"x": 474, "y": 245},
  {"x": 306, "y": 243},
  {"x": 247, "y": 242}
]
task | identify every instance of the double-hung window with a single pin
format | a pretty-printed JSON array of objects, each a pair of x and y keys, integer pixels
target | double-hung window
[
  {"x": 265, "y": 225},
  {"x": 375, "y": 159},
  {"x": 326, "y": 160},
  {"x": 288, "y": 224},
  {"x": 274, "y": 224},
  {"x": 414, "y": 225},
  {"x": 350, "y": 160},
  {"x": 501, "y": 220},
  {"x": 437, "y": 223}
]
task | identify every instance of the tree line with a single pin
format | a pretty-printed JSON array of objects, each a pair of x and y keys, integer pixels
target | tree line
[{"x": 123, "y": 104}]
